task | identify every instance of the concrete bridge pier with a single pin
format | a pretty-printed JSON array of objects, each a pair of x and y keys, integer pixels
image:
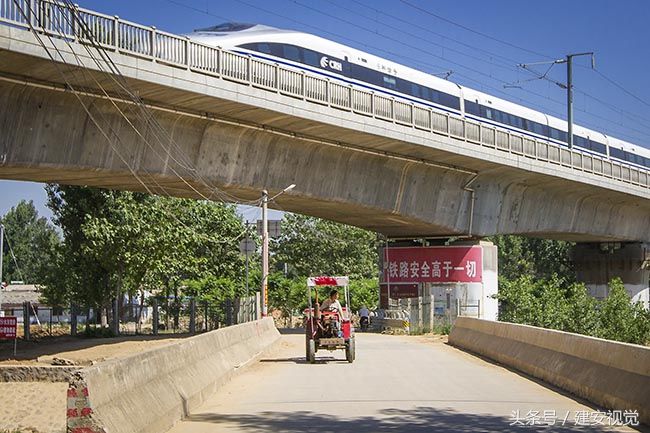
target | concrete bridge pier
[{"x": 597, "y": 263}]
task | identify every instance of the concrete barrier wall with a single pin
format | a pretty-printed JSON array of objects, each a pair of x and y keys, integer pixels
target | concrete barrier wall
[
  {"x": 610, "y": 374},
  {"x": 150, "y": 391}
]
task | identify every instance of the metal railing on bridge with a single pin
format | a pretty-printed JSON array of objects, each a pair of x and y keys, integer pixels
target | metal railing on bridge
[{"x": 113, "y": 33}]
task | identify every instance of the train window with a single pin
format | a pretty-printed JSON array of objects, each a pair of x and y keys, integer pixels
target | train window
[
  {"x": 311, "y": 58},
  {"x": 598, "y": 147},
  {"x": 277, "y": 50},
  {"x": 616, "y": 153},
  {"x": 227, "y": 27},
  {"x": 263, "y": 48},
  {"x": 448, "y": 100},
  {"x": 558, "y": 135},
  {"x": 414, "y": 90},
  {"x": 472, "y": 108},
  {"x": 582, "y": 142},
  {"x": 488, "y": 113},
  {"x": 291, "y": 52},
  {"x": 390, "y": 82}
]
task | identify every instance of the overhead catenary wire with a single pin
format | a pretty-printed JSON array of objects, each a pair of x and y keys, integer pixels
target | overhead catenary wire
[
  {"x": 471, "y": 69},
  {"x": 160, "y": 134},
  {"x": 13, "y": 256},
  {"x": 507, "y": 66},
  {"x": 69, "y": 86},
  {"x": 621, "y": 88},
  {"x": 637, "y": 120},
  {"x": 464, "y": 27},
  {"x": 482, "y": 34},
  {"x": 99, "y": 127},
  {"x": 595, "y": 126}
]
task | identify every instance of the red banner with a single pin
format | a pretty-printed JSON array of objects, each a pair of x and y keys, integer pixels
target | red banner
[
  {"x": 8, "y": 327},
  {"x": 433, "y": 265},
  {"x": 400, "y": 291},
  {"x": 397, "y": 291}
]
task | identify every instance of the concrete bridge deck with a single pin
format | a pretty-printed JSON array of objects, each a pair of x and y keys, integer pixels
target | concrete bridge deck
[
  {"x": 349, "y": 164},
  {"x": 396, "y": 384}
]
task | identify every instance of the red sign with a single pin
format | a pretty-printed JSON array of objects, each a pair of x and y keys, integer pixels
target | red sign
[
  {"x": 8, "y": 327},
  {"x": 397, "y": 291},
  {"x": 400, "y": 291},
  {"x": 433, "y": 264}
]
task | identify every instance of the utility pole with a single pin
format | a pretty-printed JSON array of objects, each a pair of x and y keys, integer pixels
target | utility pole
[
  {"x": 265, "y": 245},
  {"x": 568, "y": 86},
  {"x": 569, "y": 91},
  {"x": 265, "y": 252},
  {"x": 247, "y": 226}
]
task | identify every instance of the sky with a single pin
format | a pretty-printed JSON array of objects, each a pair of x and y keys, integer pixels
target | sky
[{"x": 481, "y": 42}]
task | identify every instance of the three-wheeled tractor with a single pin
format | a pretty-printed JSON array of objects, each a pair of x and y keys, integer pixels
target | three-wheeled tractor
[{"x": 326, "y": 329}]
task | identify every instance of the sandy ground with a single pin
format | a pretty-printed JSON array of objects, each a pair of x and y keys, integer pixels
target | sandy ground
[
  {"x": 33, "y": 406},
  {"x": 81, "y": 351},
  {"x": 397, "y": 384},
  {"x": 41, "y": 406}
]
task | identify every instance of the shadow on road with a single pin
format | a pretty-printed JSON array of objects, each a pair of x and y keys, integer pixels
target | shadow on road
[
  {"x": 302, "y": 360},
  {"x": 291, "y": 331},
  {"x": 420, "y": 419}
]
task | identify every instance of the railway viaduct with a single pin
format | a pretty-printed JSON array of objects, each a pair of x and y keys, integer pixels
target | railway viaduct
[{"x": 227, "y": 126}]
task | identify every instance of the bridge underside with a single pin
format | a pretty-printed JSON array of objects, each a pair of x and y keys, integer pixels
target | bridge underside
[{"x": 340, "y": 174}]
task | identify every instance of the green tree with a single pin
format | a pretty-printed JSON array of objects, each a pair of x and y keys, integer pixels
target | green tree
[
  {"x": 364, "y": 292},
  {"x": 620, "y": 319},
  {"x": 33, "y": 241},
  {"x": 289, "y": 295},
  {"x": 539, "y": 258},
  {"x": 313, "y": 246},
  {"x": 517, "y": 301},
  {"x": 554, "y": 305},
  {"x": 583, "y": 311},
  {"x": 123, "y": 243}
]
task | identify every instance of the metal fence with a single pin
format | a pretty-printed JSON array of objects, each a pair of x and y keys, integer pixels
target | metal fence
[
  {"x": 110, "y": 32},
  {"x": 157, "y": 316},
  {"x": 424, "y": 314}
]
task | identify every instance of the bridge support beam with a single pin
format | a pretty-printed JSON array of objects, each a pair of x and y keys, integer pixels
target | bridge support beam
[{"x": 597, "y": 263}]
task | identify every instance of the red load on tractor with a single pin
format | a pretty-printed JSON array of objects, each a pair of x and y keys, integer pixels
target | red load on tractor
[{"x": 330, "y": 329}]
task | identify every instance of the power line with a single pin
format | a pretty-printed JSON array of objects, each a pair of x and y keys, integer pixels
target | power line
[
  {"x": 507, "y": 60},
  {"x": 402, "y": 31},
  {"x": 94, "y": 120},
  {"x": 159, "y": 133},
  {"x": 614, "y": 83},
  {"x": 489, "y": 76},
  {"x": 13, "y": 256},
  {"x": 485, "y": 35},
  {"x": 594, "y": 126}
]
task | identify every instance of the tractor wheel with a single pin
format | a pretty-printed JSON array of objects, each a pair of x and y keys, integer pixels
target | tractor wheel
[
  {"x": 349, "y": 350},
  {"x": 311, "y": 351}
]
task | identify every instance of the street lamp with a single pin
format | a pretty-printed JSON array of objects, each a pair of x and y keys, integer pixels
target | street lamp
[{"x": 265, "y": 245}]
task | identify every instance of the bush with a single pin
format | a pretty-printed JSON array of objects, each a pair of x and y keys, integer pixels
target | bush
[
  {"x": 553, "y": 304},
  {"x": 98, "y": 332}
]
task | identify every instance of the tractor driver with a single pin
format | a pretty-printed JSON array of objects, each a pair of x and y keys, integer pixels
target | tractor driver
[{"x": 332, "y": 304}]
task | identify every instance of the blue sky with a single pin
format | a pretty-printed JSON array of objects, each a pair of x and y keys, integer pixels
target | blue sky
[{"x": 480, "y": 41}]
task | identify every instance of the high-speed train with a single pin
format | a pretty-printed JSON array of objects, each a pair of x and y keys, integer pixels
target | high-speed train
[{"x": 339, "y": 62}]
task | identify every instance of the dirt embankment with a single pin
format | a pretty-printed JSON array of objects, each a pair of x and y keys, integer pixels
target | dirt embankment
[{"x": 68, "y": 350}]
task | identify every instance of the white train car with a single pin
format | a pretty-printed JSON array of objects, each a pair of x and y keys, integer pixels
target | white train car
[{"x": 339, "y": 62}]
